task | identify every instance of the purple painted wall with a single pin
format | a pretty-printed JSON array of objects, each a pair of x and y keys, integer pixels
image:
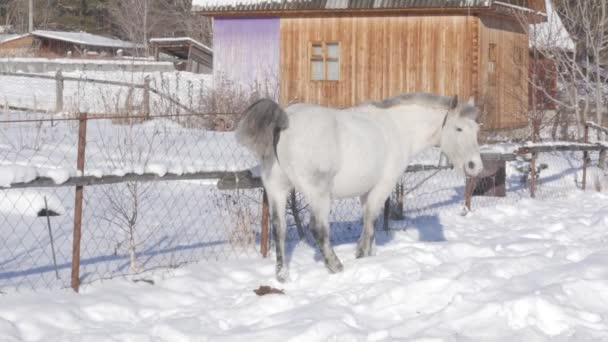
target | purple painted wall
[{"x": 246, "y": 51}]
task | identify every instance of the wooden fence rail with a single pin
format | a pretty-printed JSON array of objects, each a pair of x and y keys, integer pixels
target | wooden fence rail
[{"x": 60, "y": 79}]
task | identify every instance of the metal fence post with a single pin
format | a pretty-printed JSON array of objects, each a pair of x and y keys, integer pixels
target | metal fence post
[
  {"x": 58, "y": 91},
  {"x": 585, "y": 158},
  {"x": 82, "y": 140},
  {"x": 265, "y": 219},
  {"x": 146, "y": 104}
]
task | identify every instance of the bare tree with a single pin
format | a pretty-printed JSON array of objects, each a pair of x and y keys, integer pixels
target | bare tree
[
  {"x": 568, "y": 48},
  {"x": 140, "y": 20}
]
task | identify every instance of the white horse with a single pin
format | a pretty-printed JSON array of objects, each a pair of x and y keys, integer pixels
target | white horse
[{"x": 329, "y": 153}]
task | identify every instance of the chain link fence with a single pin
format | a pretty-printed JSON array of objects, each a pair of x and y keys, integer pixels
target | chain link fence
[{"x": 144, "y": 208}]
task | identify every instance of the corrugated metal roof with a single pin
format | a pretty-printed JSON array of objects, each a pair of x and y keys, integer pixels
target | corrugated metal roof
[
  {"x": 286, "y": 5},
  {"x": 84, "y": 39}
]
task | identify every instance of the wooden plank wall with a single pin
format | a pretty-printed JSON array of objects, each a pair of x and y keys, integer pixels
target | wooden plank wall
[
  {"x": 17, "y": 47},
  {"x": 506, "y": 102},
  {"x": 380, "y": 57}
]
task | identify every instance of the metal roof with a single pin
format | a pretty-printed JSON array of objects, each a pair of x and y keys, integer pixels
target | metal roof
[
  {"x": 286, "y": 5},
  {"x": 84, "y": 38}
]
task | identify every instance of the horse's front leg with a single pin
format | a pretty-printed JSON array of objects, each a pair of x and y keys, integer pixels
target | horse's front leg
[
  {"x": 320, "y": 231},
  {"x": 364, "y": 246},
  {"x": 372, "y": 203}
]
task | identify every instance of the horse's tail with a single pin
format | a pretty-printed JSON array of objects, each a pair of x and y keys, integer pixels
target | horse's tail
[{"x": 261, "y": 126}]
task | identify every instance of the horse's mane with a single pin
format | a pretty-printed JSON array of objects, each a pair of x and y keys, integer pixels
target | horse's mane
[{"x": 422, "y": 99}]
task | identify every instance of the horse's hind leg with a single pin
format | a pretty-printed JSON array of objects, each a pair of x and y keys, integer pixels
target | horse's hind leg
[
  {"x": 321, "y": 205},
  {"x": 279, "y": 227},
  {"x": 277, "y": 187}
]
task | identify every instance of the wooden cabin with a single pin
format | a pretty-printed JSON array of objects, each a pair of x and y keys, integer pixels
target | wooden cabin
[
  {"x": 343, "y": 52},
  {"x": 54, "y": 44}
]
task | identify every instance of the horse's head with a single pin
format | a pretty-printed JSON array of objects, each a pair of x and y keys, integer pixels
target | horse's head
[{"x": 459, "y": 137}]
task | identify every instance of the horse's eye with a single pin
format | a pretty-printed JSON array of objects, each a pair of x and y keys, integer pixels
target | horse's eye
[{"x": 459, "y": 129}]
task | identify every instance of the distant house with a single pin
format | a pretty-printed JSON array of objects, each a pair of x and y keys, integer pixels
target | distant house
[
  {"x": 53, "y": 44},
  {"x": 552, "y": 36},
  {"x": 192, "y": 55},
  {"x": 343, "y": 52}
]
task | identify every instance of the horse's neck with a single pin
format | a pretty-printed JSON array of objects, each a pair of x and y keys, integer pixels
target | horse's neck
[{"x": 419, "y": 127}]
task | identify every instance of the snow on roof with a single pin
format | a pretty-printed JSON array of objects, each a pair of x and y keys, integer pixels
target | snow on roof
[
  {"x": 181, "y": 40},
  {"x": 84, "y": 38},
  {"x": 552, "y": 33},
  {"x": 9, "y": 37},
  {"x": 245, "y": 5}
]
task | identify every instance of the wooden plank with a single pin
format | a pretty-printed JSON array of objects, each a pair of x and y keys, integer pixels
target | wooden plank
[
  {"x": 75, "y": 79},
  {"x": 379, "y": 56}
]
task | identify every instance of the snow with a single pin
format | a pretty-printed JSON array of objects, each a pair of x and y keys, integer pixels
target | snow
[
  {"x": 187, "y": 88},
  {"x": 333, "y": 4},
  {"x": 552, "y": 33},
  {"x": 125, "y": 61},
  {"x": 534, "y": 270}
]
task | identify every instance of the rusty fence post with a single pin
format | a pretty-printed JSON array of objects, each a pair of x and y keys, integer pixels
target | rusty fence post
[
  {"x": 82, "y": 140},
  {"x": 265, "y": 221},
  {"x": 533, "y": 175}
]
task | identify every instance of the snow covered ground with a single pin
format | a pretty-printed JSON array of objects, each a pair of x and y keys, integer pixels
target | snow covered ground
[
  {"x": 181, "y": 221},
  {"x": 529, "y": 271},
  {"x": 185, "y": 87}
]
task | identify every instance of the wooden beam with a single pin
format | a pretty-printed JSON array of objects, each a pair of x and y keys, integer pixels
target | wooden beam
[{"x": 45, "y": 182}]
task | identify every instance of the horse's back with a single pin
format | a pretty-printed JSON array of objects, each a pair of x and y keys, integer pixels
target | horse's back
[{"x": 345, "y": 150}]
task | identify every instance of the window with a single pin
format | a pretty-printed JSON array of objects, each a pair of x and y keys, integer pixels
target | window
[
  {"x": 492, "y": 65},
  {"x": 325, "y": 61}
]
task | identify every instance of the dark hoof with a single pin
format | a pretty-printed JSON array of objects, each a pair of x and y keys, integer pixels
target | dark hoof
[
  {"x": 335, "y": 267},
  {"x": 282, "y": 275}
]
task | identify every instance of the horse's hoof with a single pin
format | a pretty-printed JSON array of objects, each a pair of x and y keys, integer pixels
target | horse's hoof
[
  {"x": 360, "y": 254},
  {"x": 283, "y": 275},
  {"x": 336, "y": 267}
]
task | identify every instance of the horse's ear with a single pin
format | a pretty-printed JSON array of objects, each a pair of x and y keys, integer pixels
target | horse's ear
[
  {"x": 471, "y": 101},
  {"x": 454, "y": 102}
]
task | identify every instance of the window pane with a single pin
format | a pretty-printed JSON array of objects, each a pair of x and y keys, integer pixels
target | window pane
[
  {"x": 317, "y": 50},
  {"x": 333, "y": 50},
  {"x": 333, "y": 70},
  {"x": 317, "y": 70},
  {"x": 492, "y": 53}
]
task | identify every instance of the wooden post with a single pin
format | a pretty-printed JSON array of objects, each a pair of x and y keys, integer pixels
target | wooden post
[
  {"x": 468, "y": 192},
  {"x": 82, "y": 140},
  {"x": 533, "y": 176},
  {"x": 265, "y": 220},
  {"x": 387, "y": 210},
  {"x": 146, "y": 104},
  {"x": 58, "y": 92},
  {"x": 585, "y": 158},
  {"x": 48, "y": 224},
  {"x": 601, "y": 163},
  {"x": 400, "y": 206}
]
